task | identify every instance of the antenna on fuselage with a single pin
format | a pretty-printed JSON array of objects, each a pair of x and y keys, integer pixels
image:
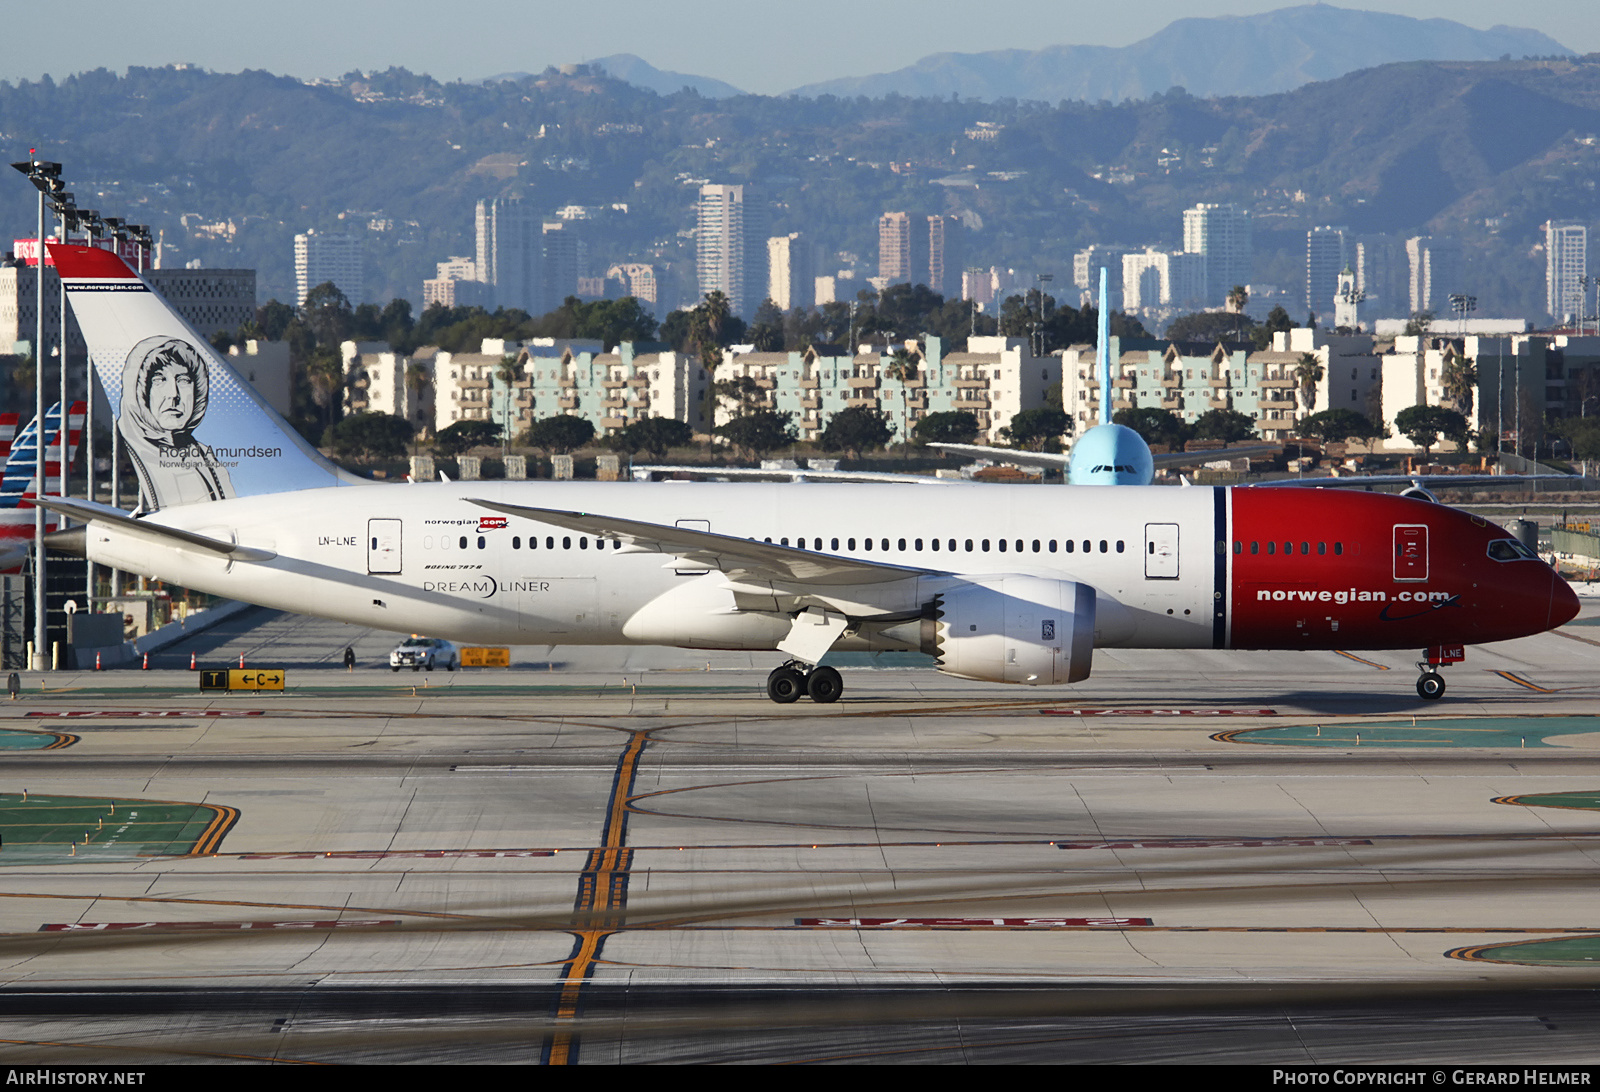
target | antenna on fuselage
[{"x": 1102, "y": 359}]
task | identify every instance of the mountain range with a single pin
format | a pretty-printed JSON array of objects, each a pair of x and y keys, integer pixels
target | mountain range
[{"x": 1261, "y": 54}]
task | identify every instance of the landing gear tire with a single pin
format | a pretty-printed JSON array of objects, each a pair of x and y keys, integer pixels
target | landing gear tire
[
  {"x": 785, "y": 685},
  {"x": 824, "y": 685},
  {"x": 1431, "y": 686}
]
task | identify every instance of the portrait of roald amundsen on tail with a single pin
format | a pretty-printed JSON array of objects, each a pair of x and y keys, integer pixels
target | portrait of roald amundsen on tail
[{"x": 165, "y": 386}]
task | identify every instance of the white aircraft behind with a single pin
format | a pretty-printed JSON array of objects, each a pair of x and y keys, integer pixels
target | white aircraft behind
[
  {"x": 997, "y": 583},
  {"x": 1109, "y": 453}
]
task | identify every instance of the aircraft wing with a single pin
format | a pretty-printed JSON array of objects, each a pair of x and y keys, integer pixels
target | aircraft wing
[
  {"x": 1018, "y": 458},
  {"x": 1420, "y": 481},
  {"x": 1199, "y": 458},
  {"x": 1051, "y": 459},
  {"x": 799, "y": 475},
  {"x": 738, "y": 557}
]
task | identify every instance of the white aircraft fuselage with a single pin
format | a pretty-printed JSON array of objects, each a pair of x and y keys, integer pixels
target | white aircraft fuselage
[{"x": 1169, "y": 567}]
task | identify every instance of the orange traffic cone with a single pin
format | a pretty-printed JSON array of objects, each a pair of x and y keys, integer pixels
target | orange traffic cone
[
  {"x": 191, "y": 661},
  {"x": 97, "y": 661},
  {"x": 146, "y": 666}
]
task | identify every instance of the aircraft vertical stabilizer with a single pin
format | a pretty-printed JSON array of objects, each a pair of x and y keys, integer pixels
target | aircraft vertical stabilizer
[
  {"x": 1102, "y": 353},
  {"x": 193, "y": 428}
]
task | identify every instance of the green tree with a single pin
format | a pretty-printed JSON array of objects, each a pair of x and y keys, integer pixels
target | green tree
[
  {"x": 856, "y": 429},
  {"x": 1418, "y": 324},
  {"x": 1154, "y": 425},
  {"x": 371, "y": 436},
  {"x": 1209, "y": 326},
  {"x": 741, "y": 394},
  {"x": 1227, "y": 425},
  {"x": 766, "y": 329},
  {"x": 273, "y": 318},
  {"x": 947, "y": 427},
  {"x": 755, "y": 434},
  {"x": 1424, "y": 425},
  {"x": 1278, "y": 321},
  {"x": 652, "y": 435},
  {"x": 560, "y": 435},
  {"x": 329, "y": 315},
  {"x": 463, "y": 436},
  {"x": 1334, "y": 425},
  {"x": 1037, "y": 429}
]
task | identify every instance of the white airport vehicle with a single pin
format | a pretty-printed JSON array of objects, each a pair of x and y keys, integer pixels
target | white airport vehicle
[{"x": 424, "y": 652}]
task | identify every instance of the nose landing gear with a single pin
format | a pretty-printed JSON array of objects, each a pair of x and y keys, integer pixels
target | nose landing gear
[
  {"x": 794, "y": 679},
  {"x": 1430, "y": 686}
]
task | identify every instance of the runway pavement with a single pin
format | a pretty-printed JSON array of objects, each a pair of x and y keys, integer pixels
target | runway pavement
[{"x": 608, "y": 855}]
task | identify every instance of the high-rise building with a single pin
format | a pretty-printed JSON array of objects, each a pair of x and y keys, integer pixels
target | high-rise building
[
  {"x": 636, "y": 279},
  {"x": 510, "y": 239},
  {"x": 1433, "y": 265},
  {"x": 1222, "y": 234},
  {"x": 895, "y": 244},
  {"x": 1381, "y": 272},
  {"x": 1153, "y": 279},
  {"x": 724, "y": 266},
  {"x": 1566, "y": 263},
  {"x": 560, "y": 255},
  {"x": 791, "y": 271},
  {"x": 946, "y": 253},
  {"x": 1327, "y": 254},
  {"x": 920, "y": 250},
  {"x": 320, "y": 258},
  {"x": 455, "y": 284}
]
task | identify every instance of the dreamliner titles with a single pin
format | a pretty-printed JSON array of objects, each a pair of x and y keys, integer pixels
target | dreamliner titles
[{"x": 486, "y": 587}]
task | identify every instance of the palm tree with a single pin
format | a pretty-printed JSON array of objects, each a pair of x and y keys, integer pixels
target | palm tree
[
  {"x": 417, "y": 381},
  {"x": 326, "y": 375},
  {"x": 1238, "y": 297},
  {"x": 1308, "y": 373},
  {"x": 509, "y": 373},
  {"x": 1459, "y": 379}
]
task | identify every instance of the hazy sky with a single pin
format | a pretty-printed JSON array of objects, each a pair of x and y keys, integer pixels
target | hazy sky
[{"x": 766, "y": 46}]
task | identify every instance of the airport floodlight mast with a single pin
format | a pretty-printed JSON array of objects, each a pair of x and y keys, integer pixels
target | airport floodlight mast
[
  {"x": 1463, "y": 306},
  {"x": 46, "y": 177},
  {"x": 1041, "y": 280}
]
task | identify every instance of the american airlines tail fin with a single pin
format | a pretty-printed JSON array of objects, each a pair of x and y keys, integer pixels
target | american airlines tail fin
[
  {"x": 193, "y": 428},
  {"x": 19, "y": 483},
  {"x": 8, "y": 433}
]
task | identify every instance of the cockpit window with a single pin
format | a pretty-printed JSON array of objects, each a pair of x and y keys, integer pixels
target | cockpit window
[{"x": 1509, "y": 549}]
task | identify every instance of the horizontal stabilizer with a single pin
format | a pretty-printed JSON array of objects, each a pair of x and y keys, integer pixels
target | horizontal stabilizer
[{"x": 91, "y": 513}]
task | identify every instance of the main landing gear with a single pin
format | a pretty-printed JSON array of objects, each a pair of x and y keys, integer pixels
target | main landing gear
[{"x": 794, "y": 680}]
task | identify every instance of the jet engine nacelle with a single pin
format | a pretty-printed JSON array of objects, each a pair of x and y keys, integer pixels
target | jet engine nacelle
[{"x": 1016, "y": 629}]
